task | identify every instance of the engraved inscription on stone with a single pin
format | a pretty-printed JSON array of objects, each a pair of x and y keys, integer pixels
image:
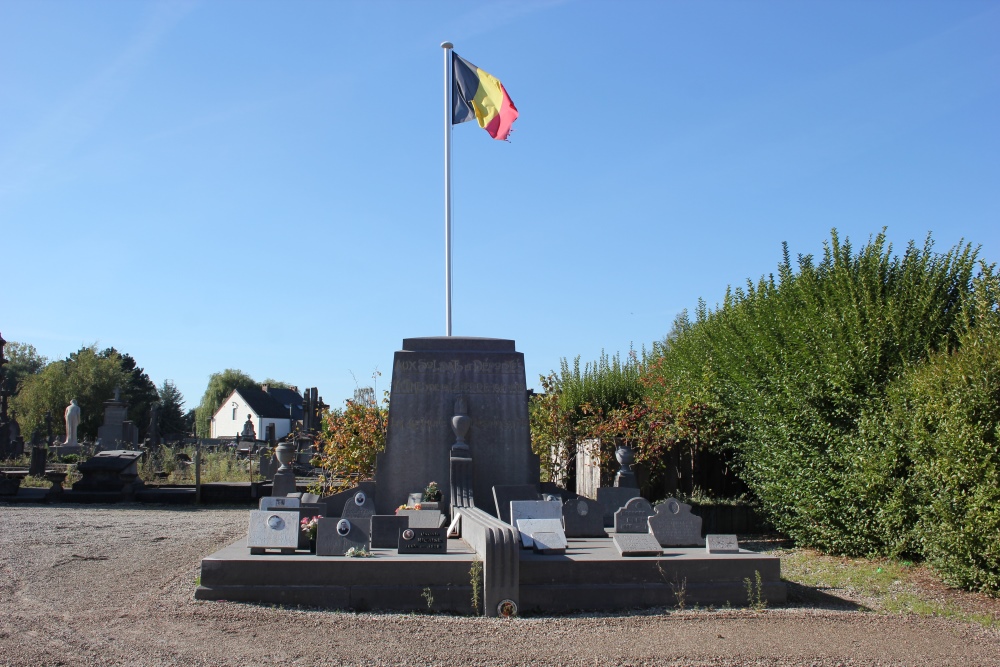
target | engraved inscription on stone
[
  {"x": 637, "y": 544},
  {"x": 423, "y": 541},
  {"x": 721, "y": 544},
  {"x": 614, "y": 498},
  {"x": 633, "y": 517},
  {"x": 272, "y": 502},
  {"x": 673, "y": 525}
]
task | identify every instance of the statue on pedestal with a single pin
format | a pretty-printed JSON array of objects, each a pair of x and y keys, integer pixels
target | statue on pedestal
[{"x": 72, "y": 416}]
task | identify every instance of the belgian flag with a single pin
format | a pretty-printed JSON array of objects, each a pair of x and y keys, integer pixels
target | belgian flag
[{"x": 480, "y": 95}]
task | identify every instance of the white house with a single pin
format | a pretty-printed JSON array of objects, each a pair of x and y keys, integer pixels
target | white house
[{"x": 281, "y": 407}]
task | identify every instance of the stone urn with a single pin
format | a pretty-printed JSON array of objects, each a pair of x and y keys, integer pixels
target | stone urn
[
  {"x": 625, "y": 476},
  {"x": 284, "y": 452}
]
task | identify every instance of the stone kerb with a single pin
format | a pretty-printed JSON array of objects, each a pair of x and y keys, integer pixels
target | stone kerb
[{"x": 497, "y": 544}]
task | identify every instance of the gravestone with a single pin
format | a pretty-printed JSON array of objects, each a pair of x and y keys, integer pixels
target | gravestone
[
  {"x": 636, "y": 544},
  {"x": 116, "y": 430},
  {"x": 549, "y": 543},
  {"x": 428, "y": 376},
  {"x": 335, "y": 503},
  {"x": 613, "y": 499},
  {"x": 110, "y": 471},
  {"x": 503, "y": 495},
  {"x": 633, "y": 518},
  {"x": 423, "y": 541},
  {"x": 273, "y": 529},
  {"x": 535, "y": 509},
  {"x": 722, "y": 544},
  {"x": 422, "y": 518},
  {"x": 36, "y": 468},
  {"x": 386, "y": 529},
  {"x": 529, "y": 527},
  {"x": 673, "y": 525},
  {"x": 359, "y": 507},
  {"x": 272, "y": 502},
  {"x": 583, "y": 517},
  {"x": 334, "y": 537}
]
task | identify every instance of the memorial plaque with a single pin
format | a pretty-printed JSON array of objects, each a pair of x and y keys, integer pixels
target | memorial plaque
[
  {"x": 423, "y": 541},
  {"x": 528, "y": 527},
  {"x": 359, "y": 507},
  {"x": 633, "y": 518},
  {"x": 583, "y": 517},
  {"x": 636, "y": 544},
  {"x": 386, "y": 529},
  {"x": 503, "y": 495},
  {"x": 334, "y": 537},
  {"x": 549, "y": 544},
  {"x": 721, "y": 544},
  {"x": 613, "y": 498},
  {"x": 273, "y": 529},
  {"x": 428, "y": 376},
  {"x": 415, "y": 498},
  {"x": 271, "y": 502},
  {"x": 422, "y": 518},
  {"x": 673, "y": 525}
]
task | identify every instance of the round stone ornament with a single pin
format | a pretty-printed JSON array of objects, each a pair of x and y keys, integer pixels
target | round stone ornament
[
  {"x": 408, "y": 534},
  {"x": 581, "y": 508},
  {"x": 674, "y": 507},
  {"x": 359, "y": 498},
  {"x": 275, "y": 522},
  {"x": 343, "y": 527}
]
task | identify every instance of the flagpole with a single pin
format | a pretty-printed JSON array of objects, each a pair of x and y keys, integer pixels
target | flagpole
[{"x": 447, "y": 46}]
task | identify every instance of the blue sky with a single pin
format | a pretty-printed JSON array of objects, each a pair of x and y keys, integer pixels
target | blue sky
[{"x": 259, "y": 185}]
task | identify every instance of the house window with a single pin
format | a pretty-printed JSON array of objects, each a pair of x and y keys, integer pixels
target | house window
[{"x": 235, "y": 407}]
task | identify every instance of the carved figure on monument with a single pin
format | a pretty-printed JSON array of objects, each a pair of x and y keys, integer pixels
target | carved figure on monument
[
  {"x": 249, "y": 433},
  {"x": 153, "y": 430},
  {"x": 118, "y": 394},
  {"x": 72, "y": 416}
]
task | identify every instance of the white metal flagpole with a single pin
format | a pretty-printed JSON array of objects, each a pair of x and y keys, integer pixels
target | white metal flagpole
[{"x": 447, "y": 46}]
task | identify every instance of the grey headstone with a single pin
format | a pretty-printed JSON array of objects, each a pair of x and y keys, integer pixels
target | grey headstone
[
  {"x": 583, "y": 517},
  {"x": 271, "y": 502},
  {"x": 721, "y": 544},
  {"x": 636, "y": 544},
  {"x": 334, "y": 537},
  {"x": 273, "y": 529},
  {"x": 414, "y": 498},
  {"x": 423, "y": 541},
  {"x": 535, "y": 509},
  {"x": 633, "y": 517},
  {"x": 310, "y": 498},
  {"x": 549, "y": 544},
  {"x": 503, "y": 495},
  {"x": 528, "y": 527},
  {"x": 422, "y": 518},
  {"x": 360, "y": 506},
  {"x": 673, "y": 525},
  {"x": 613, "y": 498},
  {"x": 386, "y": 529}
]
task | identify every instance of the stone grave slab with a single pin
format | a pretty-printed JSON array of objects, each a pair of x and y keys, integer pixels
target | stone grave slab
[
  {"x": 422, "y": 518},
  {"x": 722, "y": 544},
  {"x": 613, "y": 498},
  {"x": 637, "y": 544},
  {"x": 423, "y": 541},
  {"x": 359, "y": 507},
  {"x": 583, "y": 517},
  {"x": 535, "y": 509},
  {"x": 503, "y": 495},
  {"x": 386, "y": 529},
  {"x": 528, "y": 527},
  {"x": 273, "y": 529},
  {"x": 549, "y": 544},
  {"x": 335, "y": 536},
  {"x": 633, "y": 518},
  {"x": 271, "y": 502},
  {"x": 673, "y": 525}
]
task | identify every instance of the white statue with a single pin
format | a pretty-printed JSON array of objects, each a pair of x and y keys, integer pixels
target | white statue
[{"x": 72, "y": 415}]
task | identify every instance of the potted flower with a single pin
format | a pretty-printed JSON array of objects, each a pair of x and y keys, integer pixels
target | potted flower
[
  {"x": 309, "y": 525},
  {"x": 432, "y": 494}
]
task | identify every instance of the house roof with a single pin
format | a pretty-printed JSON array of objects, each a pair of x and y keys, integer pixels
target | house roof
[
  {"x": 263, "y": 404},
  {"x": 289, "y": 398}
]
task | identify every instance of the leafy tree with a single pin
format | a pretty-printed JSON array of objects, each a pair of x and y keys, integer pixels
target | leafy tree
[
  {"x": 23, "y": 360},
  {"x": 86, "y": 375},
  {"x": 137, "y": 390},
  {"x": 220, "y": 386},
  {"x": 352, "y": 437}
]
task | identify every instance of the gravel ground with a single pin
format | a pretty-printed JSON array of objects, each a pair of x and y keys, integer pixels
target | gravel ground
[{"x": 96, "y": 585}]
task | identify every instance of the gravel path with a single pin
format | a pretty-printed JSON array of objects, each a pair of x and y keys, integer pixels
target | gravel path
[{"x": 89, "y": 585}]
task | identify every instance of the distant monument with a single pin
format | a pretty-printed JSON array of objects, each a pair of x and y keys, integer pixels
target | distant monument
[
  {"x": 117, "y": 429},
  {"x": 72, "y": 416}
]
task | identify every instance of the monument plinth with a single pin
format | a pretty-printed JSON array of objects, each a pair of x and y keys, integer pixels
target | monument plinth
[{"x": 428, "y": 376}]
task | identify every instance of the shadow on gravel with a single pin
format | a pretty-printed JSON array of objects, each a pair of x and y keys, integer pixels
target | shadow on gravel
[{"x": 818, "y": 598}]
